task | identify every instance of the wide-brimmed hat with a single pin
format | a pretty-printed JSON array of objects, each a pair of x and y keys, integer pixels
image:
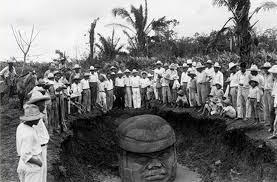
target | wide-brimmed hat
[
  {"x": 127, "y": 71},
  {"x": 216, "y": 65},
  {"x": 172, "y": 66},
  {"x": 76, "y": 77},
  {"x": 231, "y": 65},
  {"x": 11, "y": 60},
  {"x": 254, "y": 79},
  {"x": 185, "y": 65},
  {"x": 86, "y": 74},
  {"x": 191, "y": 72},
  {"x": 31, "y": 113},
  {"x": 143, "y": 72},
  {"x": 76, "y": 66},
  {"x": 159, "y": 62},
  {"x": 199, "y": 65},
  {"x": 194, "y": 64},
  {"x": 166, "y": 64},
  {"x": 91, "y": 68},
  {"x": 50, "y": 75},
  {"x": 273, "y": 69},
  {"x": 40, "y": 82},
  {"x": 112, "y": 68},
  {"x": 112, "y": 73},
  {"x": 266, "y": 65},
  {"x": 56, "y": 72},
  {"x": 36, "y": 97},
  {"x": 189, "y": 61},
  {"x": 209, "y": 62},
  {"x": 254, "y": 68},
  {"x": 134, "y": 71},
  {"x": 119, "y": 72},
  {"x": 149, "y": 75}
]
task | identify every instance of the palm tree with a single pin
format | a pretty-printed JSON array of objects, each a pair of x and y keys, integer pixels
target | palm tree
[
  {"x": 241, "y": 17},
  {"x": 109, "y": 47},
  {"x": 138, "y": 27}
]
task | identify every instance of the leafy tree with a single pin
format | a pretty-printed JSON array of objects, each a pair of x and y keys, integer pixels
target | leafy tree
[
  {"x": 109, "y": 47},
  {"x": 243, "y": 29}
]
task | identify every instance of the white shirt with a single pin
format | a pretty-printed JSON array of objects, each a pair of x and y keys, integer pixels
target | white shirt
[
  {"x": 119, "y": 82},
  {"x": 135, "y": 82},
  {"x": 234, "y": 81},
  {"x": 158, "y": 72},
  {"x": 176, "y": 84},
  {"x": 6, "y": 72},
  {"x": 41, "y": 132},
  {"x": 85, "y": 84},
  {"x": 229, "y": 111},
  {"x": 56, "y": 85},
  {"x": 76, "y": 90},
  {"x": 210, "y": 72},
  {"x": 145, "y": 82},
  {"x": 260, "y": 78},
  {"x": 202, "y": 77},
  {"x": 127, "y": 81},
  {"x": 27, "y": 142},
  {"x": 185, "y": 78},
  {"x": 254, "y": 93},
  {"x": 171, "y": 74},
  {"x": 243, "y": 79},
  {"x": 93, "y": 77},
  {"x": 268, "y": 81},
  {"x": 109, "y": 84},
  {"x": 102, "y": 86},
  {"x": 217, "y": 78}
]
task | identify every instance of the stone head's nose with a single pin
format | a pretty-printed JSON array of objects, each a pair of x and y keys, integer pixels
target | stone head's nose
[{"x": 154, "y": 163}]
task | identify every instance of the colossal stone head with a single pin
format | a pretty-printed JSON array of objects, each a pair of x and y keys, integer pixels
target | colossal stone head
[{"x": 147, "y": 150}]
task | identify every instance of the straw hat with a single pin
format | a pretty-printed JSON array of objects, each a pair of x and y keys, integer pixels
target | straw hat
[
  {"x": 76, "y": 66},
  {"x": 143, "y": 72},
  {"x": 199, "y": 65},
  {"x": 11, "y": 60},
  {"x": 266, "y": 65},
  {"x": 127, "y": 71},
  {"x": 273, "y": 69},
  {"x": 191, "y": 72},
  {"x": 194, "y": 64},
  {"x": 172, "y": 66},
  {"x": 231, "y": 65},
  {"x": 31, "y": 113},
  {"x": 91, "y": 68},
  {"x": 112, "y": 68},
  {"x": 209, "y": 62},
  {"x": 134, "y": 71},
  {"x": 254, "y": 68},
  {"x": 149, "y": 75},
  {"x": 119, "y": 72},
  {"x": 86, "y": 74},
  {"x": 36, "y": 97},
  {"x": 159, "y": 62},
  {"x": 56, "y": 72},
  {"x": 76, "y": 77},
  {"x": 50, "y": 75},
  {"x": 189, "y": 61},
  {"x": 216, "y": 65},
  {"x": 185, "y": 65},
  {"x": 166, "y": 64},
  {"x": 112, "y": 73}
]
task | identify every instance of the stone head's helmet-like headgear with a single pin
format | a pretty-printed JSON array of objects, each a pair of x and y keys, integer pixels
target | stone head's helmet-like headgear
[{"x": 151, "y": 136}]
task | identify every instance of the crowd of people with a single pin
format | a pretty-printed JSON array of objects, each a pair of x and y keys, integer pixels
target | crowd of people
[{"x": 238, "y": 93}]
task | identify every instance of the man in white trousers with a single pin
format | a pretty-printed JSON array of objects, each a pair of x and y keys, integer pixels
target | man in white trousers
[
  {"x": 38, "y": 99},
  {"x": 136, "y": 86},
  {"x": 128, "y": 89}
]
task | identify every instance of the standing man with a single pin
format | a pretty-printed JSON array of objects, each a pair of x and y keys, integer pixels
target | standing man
[
  {"x": 76, "y": 72},
  {"x": 172, "y": 72},
  {"x": 202, "y": 84},
  {"x": 128, "y": 89},
  {"x": 110, "y": 95},
  {"x": 93, "y": 80},
  {"x": 39, "y": 100},
  {"x": 243, "y": 92},
  {"x": 215, "y": 77},
  {"x": 233, "y": 84},
  {"x": 144, "y": 84},
  {"x": 136, "y": 89},
  {"x": 120, "y": 90},
  {"x": 159, "y": 71},
  {"x": 268, "y": 99},
  {"x": 86, "y": 95},
  {"x": 52, "y": 68},
  {"x": 185, "y": 79},
  {"x": 210, "y": 73}
]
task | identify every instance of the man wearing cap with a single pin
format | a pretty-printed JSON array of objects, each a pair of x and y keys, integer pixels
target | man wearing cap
[
  {"x": 216, "y": 76},
  {"x": 86, "y": 96},
  {"x": 267, "y": 97},
  {"x": 243, "y": 92},
  {"x": 31, "y": 165},
  {"x": 233, "y": 83},
  {"x": 51, "y": 70},
  {"x": 128, "y": 91},
  {"x": 159, "y": 71},
  {"x": 120, "y": 90},
  {"x": 8, "y": 76},
  {"x": 76, "y": 72},
  {"x": 93, "y": 80},
  {"x": 136, "y": 89},
  {"x": 38, "y": 99}
]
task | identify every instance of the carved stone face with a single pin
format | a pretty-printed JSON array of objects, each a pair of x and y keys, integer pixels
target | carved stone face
[{"x": 157, "y": 166}]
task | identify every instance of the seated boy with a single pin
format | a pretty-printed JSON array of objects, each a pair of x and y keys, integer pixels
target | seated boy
[{"x": 182, "y": 100}]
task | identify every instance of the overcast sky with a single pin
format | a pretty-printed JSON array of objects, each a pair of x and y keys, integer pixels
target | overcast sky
[{"x": 63, "y": 23}]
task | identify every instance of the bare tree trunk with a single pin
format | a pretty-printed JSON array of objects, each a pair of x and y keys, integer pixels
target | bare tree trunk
[{"x": 91, "y": 38}]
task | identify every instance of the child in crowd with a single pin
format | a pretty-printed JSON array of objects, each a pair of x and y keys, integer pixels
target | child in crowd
[
  {"x": 182, "y": 100},
  {"x": 254, "y": 98},
  {"x": 192, "y": 88},
  {"x": 218, "y": 92},
  {"x": 228, "y": 110}
]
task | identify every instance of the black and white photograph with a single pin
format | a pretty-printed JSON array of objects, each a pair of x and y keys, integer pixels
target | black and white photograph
[{"x": 138, "y": 91}]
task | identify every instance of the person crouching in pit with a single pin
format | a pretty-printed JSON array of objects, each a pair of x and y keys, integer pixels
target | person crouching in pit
[
  {"x": 86, "y": 97},
  {"x": 28, "y": 146},
  {"x": 144, "y": 84},
  {"x": 102, "y": 88},
  {"x": 254, "y": 98},
  {"x": 181, "y": 100}
]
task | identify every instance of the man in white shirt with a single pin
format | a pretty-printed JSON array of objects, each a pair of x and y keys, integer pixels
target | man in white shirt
[
  {"x": 184, "y": 77},
  {"x": 158, "y": 72},
  {"x": 216, "y": 76},
  {"x": 136, "y": 89},
  {"x": 38, "y": 99},
  {"x": 110, "y": 94},
  {"x": 233, "y": 83},
  {"x": 243, "y": 92},
  {"x": 268, "y": 99},
  {"x": 93, "y": 80},
  {"x": 145, "y": 83},
  {"x": 51, "y": 70},
  {"x": 86, "y": 95},
  {"x": 210, "y": 72},
  {"x": 120, "y": 90},
  {"x": 128, "y": 89},
  {"x": 102, "y": 88},
  {"x": 202, "y": 84}
]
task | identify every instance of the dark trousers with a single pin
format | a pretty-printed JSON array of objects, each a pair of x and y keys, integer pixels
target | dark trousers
[
  {"x": 143, "y": 97},
  {"x": 120, "y": 97},
  {"x": 93, "y": 92}
]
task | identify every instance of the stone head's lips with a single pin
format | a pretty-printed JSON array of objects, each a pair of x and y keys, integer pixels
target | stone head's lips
[
  {"x": 153, "y": 175},
  {"x": 145, "y": 134}
]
